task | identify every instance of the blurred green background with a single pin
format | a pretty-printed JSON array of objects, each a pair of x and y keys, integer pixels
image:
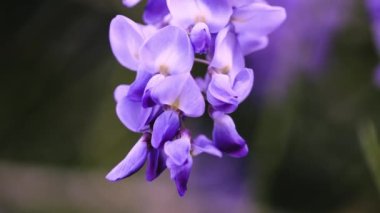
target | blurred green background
[{"x": 315, "y": 149}]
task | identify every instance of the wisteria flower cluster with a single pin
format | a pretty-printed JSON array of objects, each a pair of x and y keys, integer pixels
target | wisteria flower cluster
[{"x": 178, "y": 33}]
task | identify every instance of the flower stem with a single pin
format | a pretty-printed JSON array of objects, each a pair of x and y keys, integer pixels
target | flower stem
[{"x": 199, "y": 60}]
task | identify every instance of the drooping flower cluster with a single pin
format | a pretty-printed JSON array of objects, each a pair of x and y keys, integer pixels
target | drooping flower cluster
[{"x": 218, "y": 33}]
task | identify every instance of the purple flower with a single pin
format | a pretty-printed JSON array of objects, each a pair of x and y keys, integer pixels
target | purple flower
[
  {"x": 299, "y": 47},
  {"x": 131, "y": 163},
  {"x": 135, "y": 159},
  {"x": 226, "y": 138},
  {"x": 165, "y": 127},
  {"x": 225, "y": 95},
  {"x": 200, "y": 38},
  {"x": 180, "y": 92},
  {"x": 253, "y": 22},
  {"x": 155, "y": 10},
  {"x": 228, "y": 57},
  {"x": 131, "y": 113},
  {"x": 374, "y": 10},
  {"x": 180, "y": 161},
  {"x": 130, "y": 3},
  {"x": 185, "y": 14},
  {"x": 166, "y": 53},
  {"x": 202, "y": 144},
  {"x": 156, "y": 164},
  {"x": 126, "y": 39},
  {"x": 230, "y": 81},
  {"x": 165, "y": 92}
]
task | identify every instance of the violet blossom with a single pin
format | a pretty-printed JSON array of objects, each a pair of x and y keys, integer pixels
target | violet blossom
[
  {"x": 218, "y": 33},
  {"x": 299, "y": 47}
]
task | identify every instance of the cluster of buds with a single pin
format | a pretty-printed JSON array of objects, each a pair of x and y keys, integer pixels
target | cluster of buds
[{"x": 218, "y": 33}]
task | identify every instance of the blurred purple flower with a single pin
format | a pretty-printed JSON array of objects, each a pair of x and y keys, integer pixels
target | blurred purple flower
[
  {"x": 374, "y": 10},
  {"x": 302, "y": 44}
]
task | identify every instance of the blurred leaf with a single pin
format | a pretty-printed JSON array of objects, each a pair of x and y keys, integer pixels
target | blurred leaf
[{"x": 371, "y": 149}]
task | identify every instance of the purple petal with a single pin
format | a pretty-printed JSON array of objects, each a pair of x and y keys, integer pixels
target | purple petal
[
  {"x": 137, "y": 88},
  {"x": 155, "y": 164},
  {"x": 169, "y": 51},
  {"x": 132, "y": 114},
  {"x": 155, "y": 11},
  {"x": 168, "y": 90},
  {"x": 239, "y": 3},
  {"x": 243, "y": 83},
  {"x": 220, "y": 94},
  {"x": 120, "y": 92},
  {"x": 131, "y": 163},
  {"x": 228, "y": 58},
  {"x": 130, "y": 3},
  {"x": 250, "y": 44},
  {"x": 154, "y": 81},
  {"x": 126, "y": 38},
  {"x": 165, "y": 127},
  {"x": 200, "y": 38},
  {"x": 257, "y": 20},
  {"x": 191, "y": 101},
  {"x": 216, "y": 14},
  {"x": 181, "y": 92},
  {"x": 202, "y": 144},
  {"x": 180, "y": 174},
  {"x": 226, "y": 138},
  {"x": 178, "y": 150},
  {"x": 225, "y": 96},
  {"x": 156, "y": 111}
]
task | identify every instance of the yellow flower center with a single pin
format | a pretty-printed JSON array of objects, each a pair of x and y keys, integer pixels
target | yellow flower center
[
  {"x": 200, "y": 18},
  {"x": 225, "y": 70},
  {"x": 164, "y": 70}
]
